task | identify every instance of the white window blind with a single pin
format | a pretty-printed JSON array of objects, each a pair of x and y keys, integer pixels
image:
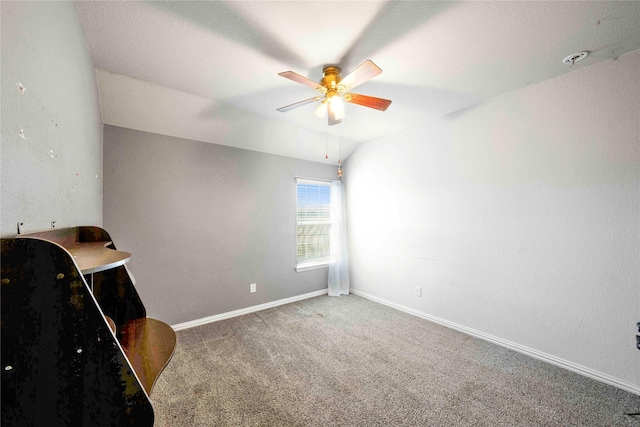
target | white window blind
[{"x": 313, "y": 229}]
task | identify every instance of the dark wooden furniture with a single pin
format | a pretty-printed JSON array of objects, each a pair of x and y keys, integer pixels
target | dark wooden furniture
[{"x": 77, "y": 347}]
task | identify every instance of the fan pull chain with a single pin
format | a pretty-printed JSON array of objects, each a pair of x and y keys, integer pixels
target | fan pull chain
[
  {"x": 339, "y": 165},
  {"x": 326, "y": 141}
]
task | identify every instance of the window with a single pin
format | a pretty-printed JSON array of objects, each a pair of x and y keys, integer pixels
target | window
[{"x": 313, "y": 223}]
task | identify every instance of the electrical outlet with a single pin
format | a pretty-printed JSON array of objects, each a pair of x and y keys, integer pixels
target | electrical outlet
[
  {"x": 20, "y": 227},
  {"x": 252, "y": 287},
  {"x": 418, "y": 291},
  {"x": 53, "y": 225}
]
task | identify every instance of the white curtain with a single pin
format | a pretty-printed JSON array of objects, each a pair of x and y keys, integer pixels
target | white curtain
[{"x": 339, "y": 266}]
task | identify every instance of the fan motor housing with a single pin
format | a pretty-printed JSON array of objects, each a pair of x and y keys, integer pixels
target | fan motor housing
[{"x": 331, "y": 76}]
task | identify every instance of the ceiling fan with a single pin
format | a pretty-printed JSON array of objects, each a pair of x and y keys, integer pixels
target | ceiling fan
[{"x": 334, "y": 90}]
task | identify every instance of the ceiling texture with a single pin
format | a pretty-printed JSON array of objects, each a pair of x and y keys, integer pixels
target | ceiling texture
[{"x": 208, "y": 70}]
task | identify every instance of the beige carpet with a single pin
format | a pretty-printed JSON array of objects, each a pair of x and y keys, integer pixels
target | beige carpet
[{"x": 348, "y": 361}]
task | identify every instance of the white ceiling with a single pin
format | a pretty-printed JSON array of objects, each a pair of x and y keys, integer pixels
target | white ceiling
[{"x": 208, "y": 70}]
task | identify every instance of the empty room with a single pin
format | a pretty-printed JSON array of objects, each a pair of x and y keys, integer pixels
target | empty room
[{"x": 320, "y": 213}]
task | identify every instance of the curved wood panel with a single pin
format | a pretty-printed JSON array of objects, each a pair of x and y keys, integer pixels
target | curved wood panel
[
  {"x": 117, "y": 296},
  {"x": 149, "y": 345}
]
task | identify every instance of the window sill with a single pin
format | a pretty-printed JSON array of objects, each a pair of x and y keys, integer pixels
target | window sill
[{"x": 311, "y": 266}]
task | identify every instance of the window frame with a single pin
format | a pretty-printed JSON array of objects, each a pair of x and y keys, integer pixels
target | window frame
[{"x": 318, "y": 262}]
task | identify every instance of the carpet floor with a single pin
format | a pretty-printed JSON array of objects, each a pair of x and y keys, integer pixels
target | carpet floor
[{"x": 348, "y": 361}]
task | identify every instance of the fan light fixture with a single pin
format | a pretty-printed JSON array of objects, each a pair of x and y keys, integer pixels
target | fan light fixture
[
  {"x": 321, "y": 111},
  {"x": 334, "y": 91},
  {"x": 337, "y": 106},
  {"x": 333, "y": 104}
]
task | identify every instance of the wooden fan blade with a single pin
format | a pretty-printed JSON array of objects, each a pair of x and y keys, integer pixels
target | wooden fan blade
[
  {"x": 332, "y": 118},
  {"x": 368, "y": 101},
  {"x": 300, "y": 79},
  {"x": 297, "y": 104},
  {"x": 365, "y": 71}
]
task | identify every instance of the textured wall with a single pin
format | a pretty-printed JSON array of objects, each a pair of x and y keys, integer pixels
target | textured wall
[
  {"x": 519, "y": 218},
  {"x": 54, "y": 171},
  {"x": 203, "y": 221}
]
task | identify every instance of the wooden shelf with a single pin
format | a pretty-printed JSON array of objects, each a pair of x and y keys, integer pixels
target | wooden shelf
[
  {"x": 148, "y": 344},
  {"x": 93, "y": 257}
]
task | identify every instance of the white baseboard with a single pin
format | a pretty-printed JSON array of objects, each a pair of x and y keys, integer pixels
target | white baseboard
[
  {"x": 582, "y": 370},
  {"x": 252, "y": 309}
]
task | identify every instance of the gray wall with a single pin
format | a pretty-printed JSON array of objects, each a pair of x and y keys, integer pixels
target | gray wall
[
  {"x": 55, "y": 174},
  {"x": 203, "y": 221},
  {"x": 519, "y": 218}
]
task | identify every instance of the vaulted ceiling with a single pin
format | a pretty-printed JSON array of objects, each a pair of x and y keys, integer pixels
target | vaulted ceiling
[{"x": 208, "y": 70}]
